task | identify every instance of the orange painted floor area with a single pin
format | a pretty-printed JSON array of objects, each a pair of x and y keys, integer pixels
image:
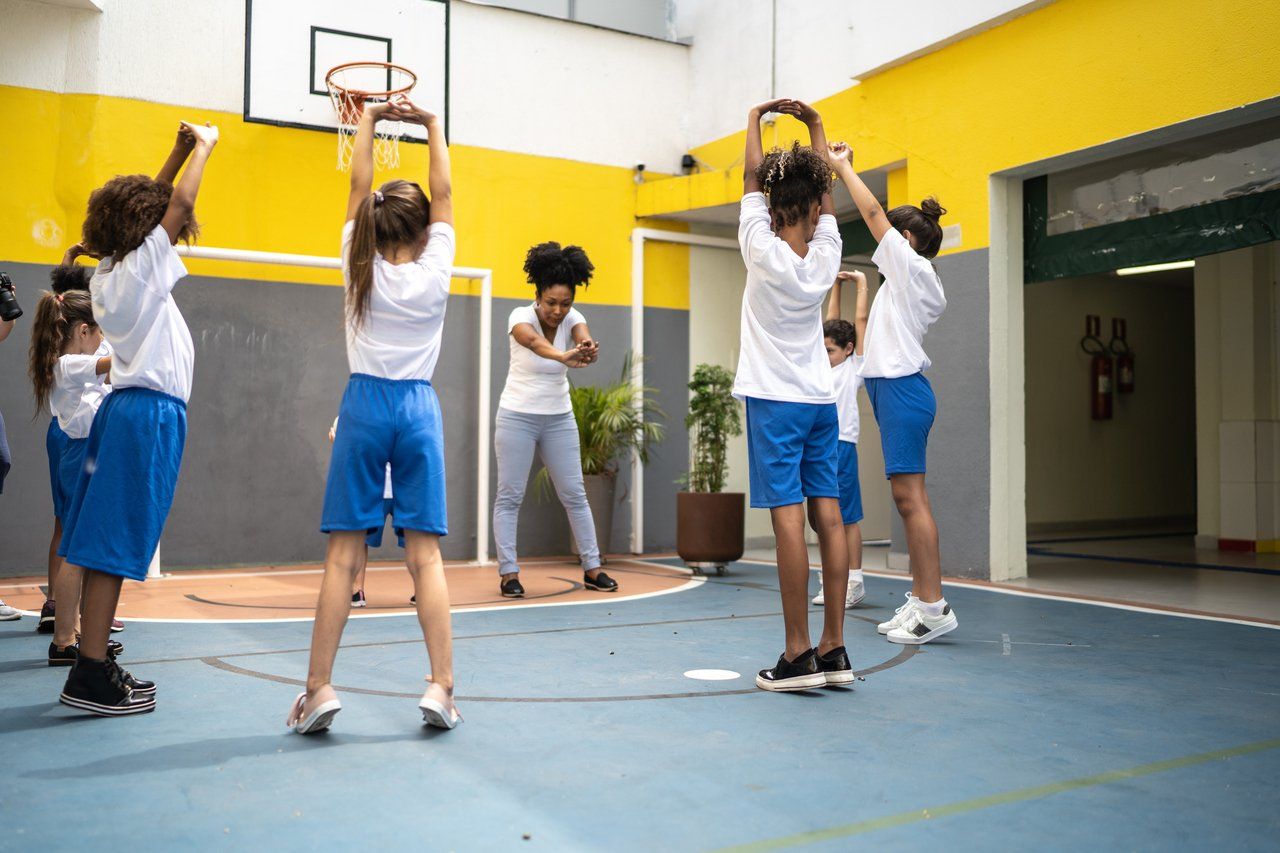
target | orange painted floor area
[{"x": 289, "y": 592}]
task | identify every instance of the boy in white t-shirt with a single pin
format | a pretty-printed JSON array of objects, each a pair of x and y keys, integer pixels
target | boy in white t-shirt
[
  {"x": 843, "y": 341},
  {"x": 791, "y": 247},
  {"x": 907, "y": 304}
]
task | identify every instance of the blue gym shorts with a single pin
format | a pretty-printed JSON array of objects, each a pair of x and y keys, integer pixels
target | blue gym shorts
[
  {"x": 55, "y": 442},
  {"x": 115, "y": 516},
  {"x": 905, "y": 408},
  {"x": 791, "y": 448},
  {"x": 850, "y": 491},
  {"x": 374, "y": 537},
  {"x": 387, "y": 420}
]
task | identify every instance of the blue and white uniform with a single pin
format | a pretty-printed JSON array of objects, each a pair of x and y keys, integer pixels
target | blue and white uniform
[
  {"x": 783, "y": 371},
  {"x": 847, "y": 382},
  {"x": 390, "y": 413},
  {"x": 77, "y": 393},
  {"x": 907, "y": 304},
  {"x": 134, "y": 450}
]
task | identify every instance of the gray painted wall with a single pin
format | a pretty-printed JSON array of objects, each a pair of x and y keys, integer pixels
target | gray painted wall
[
  {"x": 959, "y": 462},
  {"x": 270, "y": 370}
]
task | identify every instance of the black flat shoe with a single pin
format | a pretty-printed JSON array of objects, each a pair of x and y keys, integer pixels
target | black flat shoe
[
  {"x": 799, "y": 674},
  {"x": 45, "y": 623},
  {"x": 835, "y": 666},
  {"x": 69, "y": 655},
  {"x": 600, "y": 583},
  {"x": 511, "y": 587}
]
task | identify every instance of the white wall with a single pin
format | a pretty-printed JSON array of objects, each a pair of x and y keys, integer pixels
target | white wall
[{"x": 822, "y": 45}]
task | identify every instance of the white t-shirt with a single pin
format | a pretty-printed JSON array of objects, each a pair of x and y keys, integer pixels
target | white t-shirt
[
  {"x": 78, "y": 391},
  {"x": 537, "y": 385},
  {"x": 400, "y": 337},
  {"x": 782, "y": 354},
  {"x": 907, "y": 304},
  {"x": 133, "y": 304},
  {"x": 847, "y": 381}
]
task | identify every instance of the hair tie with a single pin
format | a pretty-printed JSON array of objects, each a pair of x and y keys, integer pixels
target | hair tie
[
  {"x": 377, "y": 197},
  {"x": 59, "y": 297}
]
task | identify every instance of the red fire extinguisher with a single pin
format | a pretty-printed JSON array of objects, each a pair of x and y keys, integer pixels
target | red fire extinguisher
[
  {"x": 1099, "y": 368},
  {"x": 1124, "y": 355}
]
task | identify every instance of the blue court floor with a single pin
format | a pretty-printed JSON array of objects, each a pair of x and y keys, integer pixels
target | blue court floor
[{"x": 1040, "y": 724}]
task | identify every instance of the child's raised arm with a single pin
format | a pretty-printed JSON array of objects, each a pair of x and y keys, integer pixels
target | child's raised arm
[
  {"x": 183, "y": 201},
  {"x": 439, "y": 182},
  {"x": 841, "y": 156},
  {"x": 181, "y": 151},
  {"x": 818, "y": 140},
  {"x": 833, "y": 301},
  {"x": 362, "y": 156},
  {"x": 861, "y": 310},
  {"x": 755, "y": 150}
]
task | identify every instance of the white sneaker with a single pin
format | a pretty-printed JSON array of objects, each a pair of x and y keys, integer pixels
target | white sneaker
[
  {"x": 920, "y": 628},
  {"x": 900, "y": 616},
  {"x": 855, "y": 593},
  {"x": 8, "y": 614}
]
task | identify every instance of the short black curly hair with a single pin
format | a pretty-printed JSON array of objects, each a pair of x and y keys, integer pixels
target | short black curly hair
[
  {"x": 841, "y": 332},
  {"x": 547, "y": 264},
  {"x": 794, "y": 180},
  {"x": 124, "y": 210},
  {"x": 66, "y": 277}
]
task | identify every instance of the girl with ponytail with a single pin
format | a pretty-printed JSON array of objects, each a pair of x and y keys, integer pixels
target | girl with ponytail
[
  {"x": 909, "y": 301},
  {"x": 397, "y": 260}
]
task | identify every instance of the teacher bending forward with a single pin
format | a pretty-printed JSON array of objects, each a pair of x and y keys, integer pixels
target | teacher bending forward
[{"x": 534, "y": 412}]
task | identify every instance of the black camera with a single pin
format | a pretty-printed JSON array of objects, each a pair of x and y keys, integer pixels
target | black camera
[{"x": 9, "y": 309}]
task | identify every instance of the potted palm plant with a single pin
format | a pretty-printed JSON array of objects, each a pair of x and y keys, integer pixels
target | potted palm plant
[
  {"x": 709, "y": 521},
  {"x": 610, "y": 425}
]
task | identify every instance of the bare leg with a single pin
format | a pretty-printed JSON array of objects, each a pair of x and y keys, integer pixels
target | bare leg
[
  {"x": 66, "y": 615},
  {"x": 101, "y": 595},
  {"x": 364, "y": 564},
  {"x": 55, "y": 562},
  {"x": 835, "y": 570},
  {"x": 332, "y": 609},
  {"x": 922, "y": 535},
  {"x": 793, "y": 575},
  {"x": 853, "y": 538},
  {"x": 422, "y": 553}
]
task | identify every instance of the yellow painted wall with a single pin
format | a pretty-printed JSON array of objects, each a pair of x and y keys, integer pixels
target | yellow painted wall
[
  {"x": 1069, "y": 76},
  {"x": 277, "y": 189}
]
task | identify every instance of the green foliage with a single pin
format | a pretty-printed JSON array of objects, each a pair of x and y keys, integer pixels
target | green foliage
[{"x": 714, "y": 416}]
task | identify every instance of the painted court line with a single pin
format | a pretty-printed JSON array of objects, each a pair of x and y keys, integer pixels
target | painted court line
[{"x": 906, "y": 818}]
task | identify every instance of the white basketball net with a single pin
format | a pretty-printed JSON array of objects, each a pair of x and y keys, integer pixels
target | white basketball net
[{"x": 350, "y": 88}]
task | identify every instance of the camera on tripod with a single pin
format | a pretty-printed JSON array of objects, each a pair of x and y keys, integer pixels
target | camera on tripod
[{"x": 9, "y": 308}]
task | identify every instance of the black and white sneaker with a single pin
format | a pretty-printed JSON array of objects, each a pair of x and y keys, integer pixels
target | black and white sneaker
[
  {"x": 802, "y": 673},
  {"x": 357, "y": 598},
  {"x": 920, "y": 627},
  {"x": 45, "y": 623},
  {"x": 99, "y": 687},
  {"x": 510, "y": 586},
  {"x": 835, "y": 666},
  {"x": 600, "y": 583},
  {"x": 69, "y": 655}
]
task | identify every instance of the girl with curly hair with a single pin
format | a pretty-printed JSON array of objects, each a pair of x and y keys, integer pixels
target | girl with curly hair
[
  {"x": 907, "y": 304},
  {"x": 113, "y": 521},
  {"x": 547, "y": 338},
  {"x": 397, "y": 258},
  {"x": 791, "y": 246}
]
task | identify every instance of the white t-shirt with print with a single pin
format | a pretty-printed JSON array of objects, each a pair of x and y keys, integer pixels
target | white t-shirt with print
[
  {"x": 133, "y": 304},
  {"x": 847, "y": 382},
  {"x": 78, "y": 390},
  {"x": 537, "y": 385},
  {"x": 906, "y": 305},
  {"x": 782, "y": 353},
  {"x": 400, "y": 336}
]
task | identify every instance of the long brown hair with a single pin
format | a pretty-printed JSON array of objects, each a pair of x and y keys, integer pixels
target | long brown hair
[
  {"x": 922, "y": 222},
  {"x": 58, "y": 315},
  {"x": 396, "y": 214}
]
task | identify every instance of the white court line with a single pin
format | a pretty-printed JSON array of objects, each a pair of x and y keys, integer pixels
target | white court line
[
  {"x": 694, "y": 581},
  {"x": 1059, "y": 597}
]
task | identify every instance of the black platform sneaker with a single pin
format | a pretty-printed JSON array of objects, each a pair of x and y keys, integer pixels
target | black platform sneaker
[
  {"x": 44, "y": 625},
  {"x": 68, "y": 656},
  {"x": 98, "y": 686},
  {"x": 835, "y": 666},
  {"x": 139, "y": 686},
  {"x": 799, "y": 674},
  {"x": 511, "y": 587},
  {"x": 600, "y": 583}
]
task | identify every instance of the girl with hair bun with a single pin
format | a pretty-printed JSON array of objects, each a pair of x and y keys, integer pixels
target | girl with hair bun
[
  {"x": 534, "y": 413},
  {"x": 907, "y": 304}
]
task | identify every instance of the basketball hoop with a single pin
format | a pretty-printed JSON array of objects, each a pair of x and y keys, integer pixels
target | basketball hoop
[{"x": 352, "y": 85}]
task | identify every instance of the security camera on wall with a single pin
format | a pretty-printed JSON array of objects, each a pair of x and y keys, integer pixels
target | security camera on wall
[{"x": 639, "y": 173}]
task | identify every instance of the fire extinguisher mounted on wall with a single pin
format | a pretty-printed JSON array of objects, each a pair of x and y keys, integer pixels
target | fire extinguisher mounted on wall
[
  {"x": 1099, "y": 368},
  {"x": 1123, "y": 353}
]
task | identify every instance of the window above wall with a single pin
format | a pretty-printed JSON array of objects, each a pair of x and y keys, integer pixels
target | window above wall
[{"x": 649, "y": 18}]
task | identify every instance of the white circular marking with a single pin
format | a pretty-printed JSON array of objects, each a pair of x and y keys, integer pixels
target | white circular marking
[{"x": 712, "y": 674}]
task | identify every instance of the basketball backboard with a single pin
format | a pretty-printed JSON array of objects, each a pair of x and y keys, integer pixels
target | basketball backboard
[{"x": 289, "y": 47}]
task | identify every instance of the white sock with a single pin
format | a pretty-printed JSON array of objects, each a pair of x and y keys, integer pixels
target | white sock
[
  {"x": 855, "y": 576},
  {"x": 932, "y": 608}
]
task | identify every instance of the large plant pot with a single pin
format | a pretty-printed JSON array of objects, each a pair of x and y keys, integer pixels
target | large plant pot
[
  {"x": 710, "y": 528},
  {"x": 601, "y": 490}
]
